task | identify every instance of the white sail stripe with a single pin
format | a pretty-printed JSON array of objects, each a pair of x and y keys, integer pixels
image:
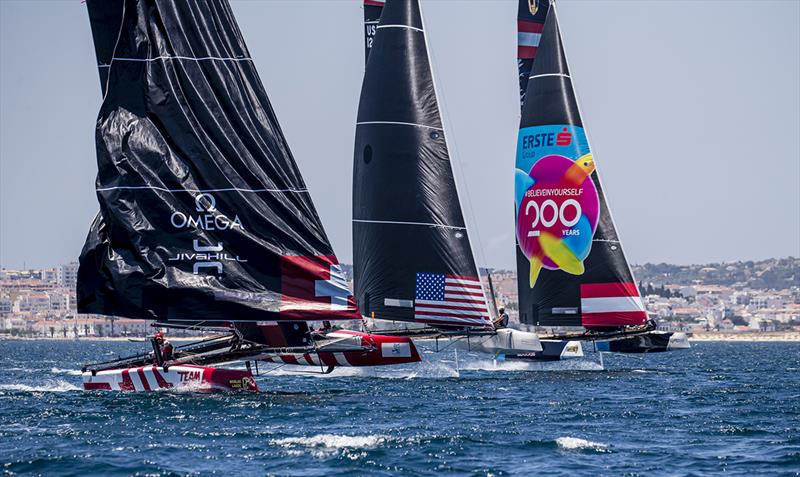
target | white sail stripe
[
  {"x": 480, "y": 306},
  {"x": 611, "y": 304},
  {"x": 227, "y": 189},
  {"x": 455, "y": 288},
  {"x": 465, "y": 313},
  {"x": 477, "y": 321},
  {"x": 549, "y": 74},
  {"x": 605, "y": 240},
  {"x": 474, "y": 299},
  {"x": 528, "y": 39},
  {"x": 462, "y": 281},
  {"x": 402, "y": 26},
  {"x": 399, "y": 123},
  {"x": 178, "y": 57},
  {"x": 409, "y": 223}
]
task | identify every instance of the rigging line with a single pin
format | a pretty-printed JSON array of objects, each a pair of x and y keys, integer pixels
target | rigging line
[
  {"x": 179, "y": 57},
  {"x": 454, "y": 143},
  {"x": 597, "y": 171},
  {"x": 225, "y": 189},
  {"x": 424, "y": 224}
]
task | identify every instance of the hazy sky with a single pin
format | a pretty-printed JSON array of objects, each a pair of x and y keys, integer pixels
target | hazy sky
[{"x": 692, "y": 109}]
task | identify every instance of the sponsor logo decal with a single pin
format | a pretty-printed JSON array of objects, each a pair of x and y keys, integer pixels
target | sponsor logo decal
[
  {"x": 190, "y": 376},
  {"x": 206, "y": 257},
  {"x": 558, "y": 205}
]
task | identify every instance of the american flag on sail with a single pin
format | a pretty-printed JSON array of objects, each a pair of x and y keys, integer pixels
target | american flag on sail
[{"x": 450, "y": 300}]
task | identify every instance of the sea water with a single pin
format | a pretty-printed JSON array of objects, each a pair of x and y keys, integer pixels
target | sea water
[{"x": 731, "y": 408}]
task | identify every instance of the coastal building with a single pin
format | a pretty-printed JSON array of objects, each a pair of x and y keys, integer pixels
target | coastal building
[
  {"x": 6, "y": 306},
  {"x": 68, "y": 275},
  {"x": 50, "y": 275}
]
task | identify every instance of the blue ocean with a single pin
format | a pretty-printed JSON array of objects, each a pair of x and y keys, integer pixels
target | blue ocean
[{"x": 718, "y": 408}]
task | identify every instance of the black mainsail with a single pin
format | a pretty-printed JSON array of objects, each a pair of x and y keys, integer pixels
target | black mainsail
[
  {"x": 413, "y": 261},
  {"x": 203, "y": 213},
  {"x": 570, "y": 264}
]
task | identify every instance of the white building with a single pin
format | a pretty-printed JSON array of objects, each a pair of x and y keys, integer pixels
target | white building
[
  {"x": 6, "y": 307},
  {"x": 50, "y": 275},
  {"x": 68, "y": 275}
]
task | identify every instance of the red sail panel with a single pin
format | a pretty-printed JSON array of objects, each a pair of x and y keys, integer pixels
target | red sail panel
[{"x": 611, "y": 304}]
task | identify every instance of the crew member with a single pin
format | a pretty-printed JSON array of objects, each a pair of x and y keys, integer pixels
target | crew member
[
  {"x": 164, "y": 345},
  {"x": 166, "y": 350},
  {"x": 502, "y": 320}
]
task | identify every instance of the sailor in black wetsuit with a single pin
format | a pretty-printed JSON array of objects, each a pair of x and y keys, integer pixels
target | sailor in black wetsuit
[{"x": 502, "y": 320}]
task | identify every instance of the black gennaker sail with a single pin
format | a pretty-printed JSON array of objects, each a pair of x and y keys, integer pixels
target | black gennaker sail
[
  {"x": 570, "y": 264},
  {"x": 413, "y": 260},
  {"x": 204, "y": 215}
]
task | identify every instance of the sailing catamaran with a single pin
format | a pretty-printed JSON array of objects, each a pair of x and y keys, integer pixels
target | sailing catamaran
[
  {"x": 572, "y": 271},
  {"x": 414, "y": 267},
  {"x": 205, "y": 221}
]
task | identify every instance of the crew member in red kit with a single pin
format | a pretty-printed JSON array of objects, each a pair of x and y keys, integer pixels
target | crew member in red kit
[{"x": 164, "y": 345}]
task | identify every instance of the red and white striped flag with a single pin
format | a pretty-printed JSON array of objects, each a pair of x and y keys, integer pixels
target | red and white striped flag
[
  {"x": 450, "y": 300},
  {"x": 611, "y": 304},
  {"x": 528, "y": 36}
]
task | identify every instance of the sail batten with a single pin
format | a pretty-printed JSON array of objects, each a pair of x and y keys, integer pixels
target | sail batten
[
  {"x": 411, "y": 244},
  {"x": 205, "y": 217},
  {"x": 571, "y": 267}
]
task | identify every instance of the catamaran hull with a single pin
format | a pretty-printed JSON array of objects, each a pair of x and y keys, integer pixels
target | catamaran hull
[
  {"x": 181, "y": 377},
  {"x": 506, "y": 341},
  {"x": 656, "y": 342},
  {"x": 375, "y": 350},
  {"x": 552, "y": 350}
]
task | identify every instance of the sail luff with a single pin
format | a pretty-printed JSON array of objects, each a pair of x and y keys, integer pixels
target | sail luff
[
  {"x": 597, "y": 173},
  {"x": 489, "y": 309}
]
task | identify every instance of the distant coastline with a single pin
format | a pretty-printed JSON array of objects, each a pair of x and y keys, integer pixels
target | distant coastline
[
  {"x": 778, "y": 336},
  {"x": 747, "y": 336},
  {"x": 132, "y": 339}
]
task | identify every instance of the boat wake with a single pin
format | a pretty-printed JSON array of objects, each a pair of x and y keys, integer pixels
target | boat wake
[
  {"x": 506, "y": 366},
  {"x": 422, "y": 370},
  {"x": 575, "y": 443},
  {"x": 327, "y": 445},
  {"x": 68, "y": 372},
  {"x": 50, "y": 387}
]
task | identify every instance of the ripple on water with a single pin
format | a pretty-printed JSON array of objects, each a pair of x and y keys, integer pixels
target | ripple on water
[{"x": 700, "y": 411}]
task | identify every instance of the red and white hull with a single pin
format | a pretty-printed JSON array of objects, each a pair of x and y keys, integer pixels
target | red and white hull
[
  {"x": 376, "y": 350},
  {"x": 182, "y": 377}
]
